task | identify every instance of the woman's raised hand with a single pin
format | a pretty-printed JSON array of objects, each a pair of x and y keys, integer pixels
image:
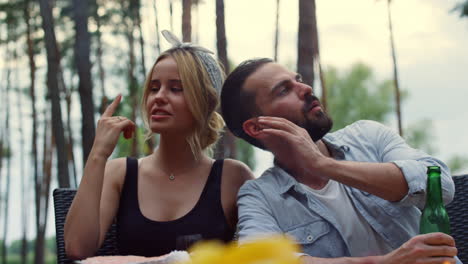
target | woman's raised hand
[{"x": 109, "y": 128}]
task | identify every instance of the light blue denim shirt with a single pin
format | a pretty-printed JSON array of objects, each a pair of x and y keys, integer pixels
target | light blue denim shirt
[{"x": 277, "y": 203}]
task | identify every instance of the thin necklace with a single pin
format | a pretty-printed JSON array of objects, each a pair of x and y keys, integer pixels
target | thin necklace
[{"x": 172, "y": 175}]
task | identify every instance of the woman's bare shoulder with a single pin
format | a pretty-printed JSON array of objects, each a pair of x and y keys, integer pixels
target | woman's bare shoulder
[
  {"x": 236, "y": 172},
  {"x": 115, "y": 171}
]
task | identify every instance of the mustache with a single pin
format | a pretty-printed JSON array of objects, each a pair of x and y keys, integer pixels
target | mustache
[{"x": 309, "y": 102}]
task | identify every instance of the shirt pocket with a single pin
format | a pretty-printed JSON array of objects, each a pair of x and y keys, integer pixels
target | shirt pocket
[{"x": 310, "y": 232}]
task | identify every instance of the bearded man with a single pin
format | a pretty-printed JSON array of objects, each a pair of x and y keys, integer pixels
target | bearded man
[{"x": 351, "y": 196}]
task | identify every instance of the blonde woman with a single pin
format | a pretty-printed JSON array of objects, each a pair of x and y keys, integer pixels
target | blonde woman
[{"x": 178, "y": 194}]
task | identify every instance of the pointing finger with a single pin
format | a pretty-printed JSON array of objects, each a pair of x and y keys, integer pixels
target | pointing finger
[{"x": 110, "y": 110}]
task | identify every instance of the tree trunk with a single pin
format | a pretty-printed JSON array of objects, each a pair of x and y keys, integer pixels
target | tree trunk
[
  {"x": 24, "y": 179},
  {"x": 226, "y": 147},
  {"x": 99, "y": 54},
  {"x": 276, "y": 30},
  {"x": 83, "y": 64},
  {"x": 142, "y": 41},
  {"x": 196, "y": 25},
  {"x": 7, "y": 145},
  {"x": 158, "y": 47},
  {"x": 305, "y": 56},
  {"x": 221, "y": 42},
  {"x": 395, "y": 71},
  {"x": 53, "y": 62},
  {"x": 6, "y": 197},
  {"x": 171, "y": 16},
  {"x": 70, "y": 154},
  {"x": 32, "y": 95},
  {"x": 42, "y": 191},
  {"x": 129, "y": 25},
  {"x": 186, "y": 20}
]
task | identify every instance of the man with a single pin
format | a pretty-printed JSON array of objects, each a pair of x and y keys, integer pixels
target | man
[{"x": 352, "y": 196}]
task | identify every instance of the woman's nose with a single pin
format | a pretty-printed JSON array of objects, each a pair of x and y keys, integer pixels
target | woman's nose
[{"x": 161, "y": 96}]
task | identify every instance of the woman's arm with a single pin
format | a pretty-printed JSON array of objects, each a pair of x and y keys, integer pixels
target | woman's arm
[
  {"x": 96, "y": 201},
  {"x": 235, "y": 174}
]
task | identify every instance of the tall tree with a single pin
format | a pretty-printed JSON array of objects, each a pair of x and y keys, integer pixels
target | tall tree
[
  {"x": 156, "y": 24},
  {"x": 83, "y": 64},
  {"x": 53, "y": 61},
  {"x": 305, "y": 56},
  {"x": 308, "y": 46},
  {"x": 24, "y": 176},
  {"x": 171, "y": 15},
  {"x": 99, "y": 53},
  {"x": 43, "y": 189},
  {"x": 7, "y": 143},
  {"x": 186, "y": 20},
  {"x": 462, "y": 7},
  {"x": 130, "y": 21},
  {"x": 395, "y": 70},
  {"x": 221, "y": 41},
  {"x": 275, "y": 56},
  {"x": 32, "y": 90},
  {"x": 226, "y": 147}
]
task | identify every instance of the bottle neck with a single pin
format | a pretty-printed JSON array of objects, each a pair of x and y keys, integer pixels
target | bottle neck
[{"x": 434, "y": 190}]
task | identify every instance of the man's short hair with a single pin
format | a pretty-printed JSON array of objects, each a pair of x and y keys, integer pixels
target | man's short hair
[{"x": 238, "y": 105}]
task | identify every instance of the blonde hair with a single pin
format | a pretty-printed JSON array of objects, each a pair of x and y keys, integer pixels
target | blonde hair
[{"x": 201, "y": 97}]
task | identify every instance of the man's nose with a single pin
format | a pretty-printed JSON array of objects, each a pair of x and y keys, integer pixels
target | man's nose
[{"x": 304, "y": 90}]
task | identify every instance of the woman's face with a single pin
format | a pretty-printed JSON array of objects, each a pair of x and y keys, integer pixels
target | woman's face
[{"x": 166, "y": 106}]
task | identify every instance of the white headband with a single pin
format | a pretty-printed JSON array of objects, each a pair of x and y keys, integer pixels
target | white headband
[{"x": 209, "y": 63}]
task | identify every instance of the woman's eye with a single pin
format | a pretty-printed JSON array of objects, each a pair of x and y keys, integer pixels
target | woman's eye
[
  {"x": 154, "y": 89},
  {"x": 177, "y": 89}
]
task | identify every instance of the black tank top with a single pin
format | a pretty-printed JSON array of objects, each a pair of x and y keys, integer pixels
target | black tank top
[{"x": 138, "y": 235}]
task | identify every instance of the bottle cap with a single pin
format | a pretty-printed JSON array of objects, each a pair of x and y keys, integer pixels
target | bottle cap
[{"x": 433, "y": 169}]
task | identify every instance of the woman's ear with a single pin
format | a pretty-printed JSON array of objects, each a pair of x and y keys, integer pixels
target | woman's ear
[{"x": 251, "y": 127}]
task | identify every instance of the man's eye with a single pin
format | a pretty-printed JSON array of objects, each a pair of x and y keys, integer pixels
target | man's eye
[{"x": 283, "y": 91}]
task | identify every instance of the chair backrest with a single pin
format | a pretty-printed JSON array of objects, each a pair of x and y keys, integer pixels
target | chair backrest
[
  {"x": 458, "y": 213},
  {"x": 62, "y": 201}
]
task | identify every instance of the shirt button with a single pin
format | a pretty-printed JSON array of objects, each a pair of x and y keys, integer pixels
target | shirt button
[{"x": 310, "y": 238}]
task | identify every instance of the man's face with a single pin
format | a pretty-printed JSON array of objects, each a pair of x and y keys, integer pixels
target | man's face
[{"x": 281, "y": 93}]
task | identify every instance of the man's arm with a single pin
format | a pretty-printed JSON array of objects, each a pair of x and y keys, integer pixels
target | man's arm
[
  {"x": 400, "y": 174},
  {"x": 256, "y": 220}
]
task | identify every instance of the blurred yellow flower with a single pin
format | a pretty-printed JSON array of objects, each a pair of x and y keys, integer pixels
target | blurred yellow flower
[{"x": 271, "y": 250}]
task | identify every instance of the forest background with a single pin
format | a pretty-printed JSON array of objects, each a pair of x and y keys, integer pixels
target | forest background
[{"x": 403, "y": 63}]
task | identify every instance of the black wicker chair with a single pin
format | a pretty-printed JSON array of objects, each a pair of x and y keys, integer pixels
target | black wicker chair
[
  {"x": 62, "y": 201},
  {"x": 458, "y": 213}
]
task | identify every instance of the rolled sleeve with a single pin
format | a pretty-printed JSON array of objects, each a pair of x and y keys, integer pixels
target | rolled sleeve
[
  {"x": 255, "y": 218},
  {"x": 413, "y": 164}
]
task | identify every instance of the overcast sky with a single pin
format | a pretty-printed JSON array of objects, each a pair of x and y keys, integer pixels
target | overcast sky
[{"x": 431, "y": 44}]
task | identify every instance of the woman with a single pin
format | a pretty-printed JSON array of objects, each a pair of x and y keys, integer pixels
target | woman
[{"x": 178, "y": 194}]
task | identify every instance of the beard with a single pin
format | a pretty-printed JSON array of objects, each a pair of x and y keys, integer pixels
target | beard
[{"x": 318, "y": 125}]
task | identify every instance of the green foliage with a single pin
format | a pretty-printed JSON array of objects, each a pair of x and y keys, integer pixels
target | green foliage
[
  {"x": 419, "y": 135},
  {"x": 462, "y": 7},
  {"x": 6, "y": 153},
  {"x": 14, "y": 251},
  {"x": 356, "y": 95},
  {"x": 457, "y": 163},
  {"x": 245, "y": 153}
]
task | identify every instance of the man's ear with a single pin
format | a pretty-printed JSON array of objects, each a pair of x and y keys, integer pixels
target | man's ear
[{"x": 251, "y": 127}]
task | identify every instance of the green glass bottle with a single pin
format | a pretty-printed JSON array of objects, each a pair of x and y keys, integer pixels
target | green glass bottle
[{"x": 434, "y": 217}]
